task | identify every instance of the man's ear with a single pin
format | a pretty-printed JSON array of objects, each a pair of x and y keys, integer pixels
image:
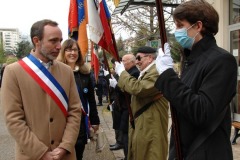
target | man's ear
[{"x": 35, "y": 40}]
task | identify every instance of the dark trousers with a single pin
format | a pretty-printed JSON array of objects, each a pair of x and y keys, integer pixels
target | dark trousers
[
  {"x": 100, "y": 99},
  {"x": 125, "y": 145},
  {"x": 79, "y": 148},
  {"x": 119, "y": 136}
]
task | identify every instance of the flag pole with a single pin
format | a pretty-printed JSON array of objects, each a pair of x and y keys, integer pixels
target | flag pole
[
  {"x": 108, "y": 68},
  {"x": 115, "y": 45},
  {"x": 106, "y": 61},
  {"x": 125, "y": 94},
  {"x": 118, "y": 59},
  {"x": 163, "y": 36}
]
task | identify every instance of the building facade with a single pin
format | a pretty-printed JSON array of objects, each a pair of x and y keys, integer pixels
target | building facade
[
  {"x": 10, "y": 37},
  {"x": 228, "y": 38}
]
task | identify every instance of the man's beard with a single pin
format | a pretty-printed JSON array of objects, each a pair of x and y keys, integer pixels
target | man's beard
[{"x": 47, "y": 56}]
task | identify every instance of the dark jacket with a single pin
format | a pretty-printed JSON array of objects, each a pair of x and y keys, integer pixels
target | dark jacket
[
  {"x": 207, "y": 85},
  {"x": 125, "y": 98},
  {"x": 120, "y": 106},
  {"x": 84, "y": 83}
]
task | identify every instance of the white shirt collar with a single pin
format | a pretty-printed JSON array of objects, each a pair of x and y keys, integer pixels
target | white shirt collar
[
  {"x": 147, "y": 68},
  {"x": 46, "y": 65}
]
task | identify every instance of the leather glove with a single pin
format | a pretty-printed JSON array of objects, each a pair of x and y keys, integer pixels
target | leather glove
[
  {"x": 164, "y": 60},
  {"x": 112, "y": 82},
  {"x": 119, "y": 68},
  {"x": 105, "y": 72}
]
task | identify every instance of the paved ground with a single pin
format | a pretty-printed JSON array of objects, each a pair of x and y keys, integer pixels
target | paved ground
[
  {"x": 7, "y": 143},
  {"x": 106, "y": 154}
]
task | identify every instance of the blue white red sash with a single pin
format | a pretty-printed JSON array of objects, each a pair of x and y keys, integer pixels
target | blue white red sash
[{"x": 46, "y": 81}]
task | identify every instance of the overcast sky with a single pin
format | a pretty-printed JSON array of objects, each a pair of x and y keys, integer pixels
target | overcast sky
[{"x": 22, "y": 14}]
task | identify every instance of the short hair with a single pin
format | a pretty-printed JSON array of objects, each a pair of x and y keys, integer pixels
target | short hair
[
  {"x": 67, "y": 44},
  {"x": 130, "y": 57},
  {"x": 38, "y": 28},
  {"x": 198, "y": 10}
]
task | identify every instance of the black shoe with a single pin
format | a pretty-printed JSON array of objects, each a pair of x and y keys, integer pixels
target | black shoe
[
  {"x": 111, "y": 145},
  {"x": 116, "y": 147}
]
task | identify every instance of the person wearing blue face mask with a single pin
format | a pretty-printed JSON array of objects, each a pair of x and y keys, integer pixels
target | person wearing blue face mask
[
  {"x": 201, "y": 95},
  {"x": 182, "y": 37}
]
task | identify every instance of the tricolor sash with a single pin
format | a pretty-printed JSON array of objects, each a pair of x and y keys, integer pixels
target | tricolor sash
[{"x": 46, "y": 81}]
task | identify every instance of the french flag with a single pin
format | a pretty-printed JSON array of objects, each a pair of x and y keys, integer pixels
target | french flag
[
  {"x": 95, "y": 28},
  {"x": 99, "y": 30}
]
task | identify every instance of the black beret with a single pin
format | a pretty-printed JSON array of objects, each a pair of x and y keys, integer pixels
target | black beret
[{"x": 146, "y": 50}]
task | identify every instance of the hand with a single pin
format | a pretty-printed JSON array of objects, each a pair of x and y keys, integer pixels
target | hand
[
  {"x": 58, "y": 153},
  {"x": 95, "y": 128},
  {"x": 105, "y": 72},
  {"x": 47, "y": 156},
  {"x": 112, "y": 82},
  {"x": 164, "y": 60},
  {"x": 119, "y": 68}
]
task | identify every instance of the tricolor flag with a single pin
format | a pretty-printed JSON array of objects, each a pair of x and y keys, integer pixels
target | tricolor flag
[
  {"x": 107, "y": 41},
  {"x": 95, "y": 28},
  {"x": 99, "y": 30},
  {"x": 77, "y": 20},
  {"x": 87, "y": 12}
]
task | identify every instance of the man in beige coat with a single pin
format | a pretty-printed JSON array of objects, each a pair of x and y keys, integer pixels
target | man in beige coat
[
  {"x": 148, "y": 141},
  {"x": 41, "y": 129}
]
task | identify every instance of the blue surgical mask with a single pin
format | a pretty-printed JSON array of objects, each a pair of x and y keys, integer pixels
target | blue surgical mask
[{"x": 183, "y": 39}]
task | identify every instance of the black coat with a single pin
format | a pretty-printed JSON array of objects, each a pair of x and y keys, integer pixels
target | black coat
[
  {"x": 207, "y": 85},
  {"x": 84, "y": 83}
]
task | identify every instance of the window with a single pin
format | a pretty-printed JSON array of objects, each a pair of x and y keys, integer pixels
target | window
[{"x": 234, "y": 13}]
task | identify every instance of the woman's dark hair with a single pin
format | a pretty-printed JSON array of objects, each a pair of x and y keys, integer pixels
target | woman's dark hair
[{"x": 198, "y": 10}]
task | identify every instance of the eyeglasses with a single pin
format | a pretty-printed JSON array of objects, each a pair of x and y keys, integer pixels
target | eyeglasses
[
  {"x": 70, "y": 50},
  {"x": 139, "y": 57}
]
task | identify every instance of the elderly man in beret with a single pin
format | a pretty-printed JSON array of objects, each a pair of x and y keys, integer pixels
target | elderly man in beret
[{"x": 148, "y": 136}]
